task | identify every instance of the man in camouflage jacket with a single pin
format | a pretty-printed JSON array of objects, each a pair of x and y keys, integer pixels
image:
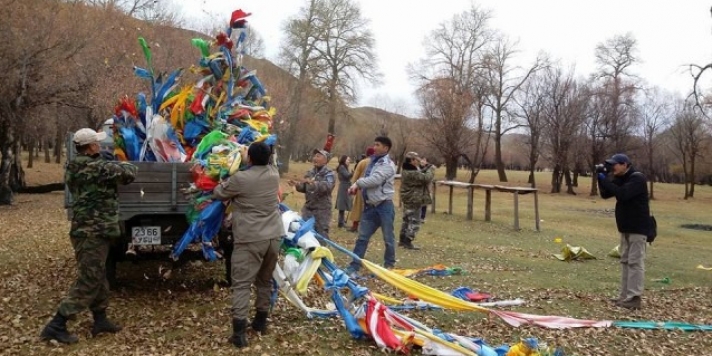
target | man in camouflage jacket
[
  {"x": 317, "y": 185},
  {"x": 414, "y": 193},
  {"x": 93, "y": 182}
]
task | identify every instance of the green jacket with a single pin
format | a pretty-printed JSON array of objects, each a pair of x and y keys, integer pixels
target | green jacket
[
  {"x": 415, "y": 186},
  {"x": 93, "y": 182}
]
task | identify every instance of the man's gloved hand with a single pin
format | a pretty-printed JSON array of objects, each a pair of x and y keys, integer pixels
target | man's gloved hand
[
  {"x": 107, "y": 155},
  {"x": 601, "y": 176}
]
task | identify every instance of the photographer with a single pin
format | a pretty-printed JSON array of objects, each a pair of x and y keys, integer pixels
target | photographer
[
  {"x": 414, "y": 193},
  {"x": 618, "y": 179}
]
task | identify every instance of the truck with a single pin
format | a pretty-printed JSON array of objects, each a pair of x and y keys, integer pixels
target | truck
[{"x": 152, "y": 213}]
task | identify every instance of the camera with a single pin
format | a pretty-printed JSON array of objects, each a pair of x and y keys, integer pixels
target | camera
[{"x": 602, "y": 168}]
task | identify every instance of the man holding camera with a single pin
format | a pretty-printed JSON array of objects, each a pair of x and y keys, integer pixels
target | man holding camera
[
  {"x": 633, "y": 221},
  {"x": 414, "y": 194}
]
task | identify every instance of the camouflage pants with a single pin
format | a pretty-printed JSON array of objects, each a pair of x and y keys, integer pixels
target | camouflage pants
[
  {"x": 411, "y": 223},
  {"x": 91, "y": 289},
  {"x": 322, "y": 219}
]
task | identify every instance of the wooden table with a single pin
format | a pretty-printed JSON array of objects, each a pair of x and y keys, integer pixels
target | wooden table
[{"x": 488, "y": 198}]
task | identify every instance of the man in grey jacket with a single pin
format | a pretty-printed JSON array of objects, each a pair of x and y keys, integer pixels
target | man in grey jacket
[
  {"x": 317, "y": 185},
  {"x": 377, "y": 189}
]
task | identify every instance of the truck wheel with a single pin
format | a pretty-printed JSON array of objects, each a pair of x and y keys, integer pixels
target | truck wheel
[{"x": 115, "y": 253}]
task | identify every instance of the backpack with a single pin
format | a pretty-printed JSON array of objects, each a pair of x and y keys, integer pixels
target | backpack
[{"x": 653, "y": 232}]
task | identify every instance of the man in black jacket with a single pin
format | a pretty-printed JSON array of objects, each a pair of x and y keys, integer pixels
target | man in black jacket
[{"x": 633, "y": 221}]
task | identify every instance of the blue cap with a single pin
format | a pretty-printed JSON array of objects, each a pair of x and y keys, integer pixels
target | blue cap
[{"x": 618, "y": 158}]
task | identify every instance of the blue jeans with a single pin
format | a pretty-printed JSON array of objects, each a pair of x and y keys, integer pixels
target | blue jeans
[{"x": 372, "y": 218}]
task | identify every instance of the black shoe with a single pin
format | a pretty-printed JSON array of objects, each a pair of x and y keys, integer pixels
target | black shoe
[
  {"x": 102, "y": 324},
  {"x": 56, "y": 329},
  {"x": 259, "y": 323},
  {"x": 632, "y": 304},
  {"x": 410, "y": 246},
  {"x": 238, "y": 338}
]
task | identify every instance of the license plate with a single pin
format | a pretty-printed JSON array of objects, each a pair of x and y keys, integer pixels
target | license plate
[{"x": 146, "y": 235}]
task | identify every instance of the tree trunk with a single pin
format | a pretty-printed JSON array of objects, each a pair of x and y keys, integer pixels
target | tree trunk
[
  {"x": 31, "y": 155},
  {"x": 333, "y": 102},
  {"x": 498, "y": 157},
  {"x": 36, "y": 151},
  {"x": 451, "y": 167},
  {"x": 692, "y": 175},
  {"x": 575, "y": 179},
  {"x": 12, "y": 177},
  {"x": 556, "y": 179},
  {"x": 569, "y": 182},
  {"x": 45, "y": 146},
  {"x": 58, "y": 146},
  {"x": 533, "y": 158}
]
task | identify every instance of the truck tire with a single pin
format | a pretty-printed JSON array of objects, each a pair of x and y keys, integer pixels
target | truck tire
[{"x": 115, "y": 254}]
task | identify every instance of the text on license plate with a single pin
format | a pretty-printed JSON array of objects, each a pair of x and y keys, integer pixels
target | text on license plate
[{"x": 146, "y": 235}]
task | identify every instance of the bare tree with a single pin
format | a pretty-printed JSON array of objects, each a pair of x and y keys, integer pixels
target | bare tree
[
  {"x": 564, "y": 113},
  {"x": 297, "y": 55},
  {"x": 37, "y": 69},
  {"x": 690, "y": 137},
  {"x": 450, "y": 87},
  {"x": 504, "y": 81},
  {"x": 617, "y": 86},
  {"x": 345, "y": 45},
  {"x": 656, "y": 112},
  {"x": 532, "y": 104},
  {"x": 159, "y": 12}
]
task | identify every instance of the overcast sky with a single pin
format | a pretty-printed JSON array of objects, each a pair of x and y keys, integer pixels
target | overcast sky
[{"x": 670, "y": 33}]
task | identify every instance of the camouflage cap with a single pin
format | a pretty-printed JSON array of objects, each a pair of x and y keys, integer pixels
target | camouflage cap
[
  {"x": 322, "y": 152},
  {"x": 412, "y": 155}
]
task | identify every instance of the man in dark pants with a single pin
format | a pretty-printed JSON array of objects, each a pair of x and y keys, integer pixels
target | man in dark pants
[
  {"x": 317, "y": 185},
  {"x": 93, "y": 182},
  {"x": 257, "y": 231},
  {"x": 414, "y": 194},
  {"x": 633, "y": 220},
  {"x": 377, "y": 189}
]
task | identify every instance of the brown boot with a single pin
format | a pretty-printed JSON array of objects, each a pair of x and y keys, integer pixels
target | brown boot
[{"x": 632, "y": 304}]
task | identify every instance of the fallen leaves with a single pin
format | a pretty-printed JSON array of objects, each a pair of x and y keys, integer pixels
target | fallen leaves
[{"x": 190, "y": 313}]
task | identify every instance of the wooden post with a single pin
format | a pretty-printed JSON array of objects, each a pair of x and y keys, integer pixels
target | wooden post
[
  {"x": 488, "y": 204},
  {"x": 536, "y": 209},
  {"x": 516, "y": 210},
  {"x": 449, "y": 209},
  {"x": 470, "y": 192},
  {"x": 432, "y": 207}
]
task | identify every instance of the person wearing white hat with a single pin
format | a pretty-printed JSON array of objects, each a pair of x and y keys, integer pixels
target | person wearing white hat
[{"x": 93, "y": 183}]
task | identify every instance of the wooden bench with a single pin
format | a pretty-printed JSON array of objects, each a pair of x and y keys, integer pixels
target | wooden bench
[{"x": 488, "y": 198}]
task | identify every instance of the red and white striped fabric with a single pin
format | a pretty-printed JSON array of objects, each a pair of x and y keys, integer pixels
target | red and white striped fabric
[
  {"x": 552, "y": 322},
  {"x": 379, "y": 320}
]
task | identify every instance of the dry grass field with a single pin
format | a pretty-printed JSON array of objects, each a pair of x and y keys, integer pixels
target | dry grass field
[{"x": 189, "y": 314}]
